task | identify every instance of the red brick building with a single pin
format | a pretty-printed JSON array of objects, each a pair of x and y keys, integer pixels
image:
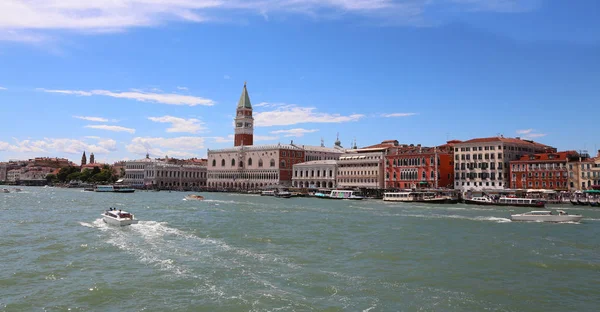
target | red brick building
[
  {"x": 410, "y": 166},
  {"x": 542, "y": 171},
  {"x": 244, "y": 132}
]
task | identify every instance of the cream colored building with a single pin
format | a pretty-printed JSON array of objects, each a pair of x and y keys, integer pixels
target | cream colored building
[
  {"x": 586, "y": 173},
  {"x": 13, "y": 175},
  {"x": 163, "y": 175},
  {"x": 483, "y": 163},
  {"x": 315, "y": 174}
]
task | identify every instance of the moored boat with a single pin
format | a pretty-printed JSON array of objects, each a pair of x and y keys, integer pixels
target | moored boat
[
  {"x": 118, "y": 217},
  {"x": 505, "y": 201},
  {"x": 546, "y": 216},
  {"x": 283, "y": 194},
  {"x": 420, "y": 197},
  {"x": 344, "y": 194},
  {"x": 114, "y": 188},
  {"x": 582, "y": 202},
  {"x": 267, "y": 193}
]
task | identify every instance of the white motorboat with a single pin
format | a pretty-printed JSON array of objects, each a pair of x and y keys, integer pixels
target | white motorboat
[
  {"x": 344, "y": 194},
  {"x": 118, "y": 217},
  {"x": 194, "y": 197},
  {"x": 546, "y": 216}
]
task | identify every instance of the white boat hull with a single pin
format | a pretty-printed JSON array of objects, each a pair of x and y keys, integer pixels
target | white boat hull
[
  {"x": 120, "y": 221},
  {"x": 551, "y": 218}
]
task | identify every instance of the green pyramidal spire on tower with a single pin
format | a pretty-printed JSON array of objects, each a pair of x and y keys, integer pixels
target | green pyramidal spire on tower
[{"x": 244, "y": 99}]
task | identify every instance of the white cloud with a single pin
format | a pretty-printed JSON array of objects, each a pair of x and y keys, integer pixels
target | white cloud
[
  {"x": 111, "y": 128},
  {"x": 398, "y": 115},
  {"x": 182, "y": 88},
  {"x": 525, "y": 131},
  {"x": 285, "y": 115},
  {"x": 180, "y": 124},
  {"x": 163, "y": 98},
  {"x": 89, "y": 118},
  {"x": 60, "y": 145},
  {"x": 24, "y": 20},
  {"x": 2, "y": 88},
  {"x": 530, "y": 134},
  {"x": 262, "y": 138},
  {"x": 227, "y": 139},
  {"x": 173, "y": 147},
  {"x": 226, "y": 77},
  {"x": 297, "y": 132}
]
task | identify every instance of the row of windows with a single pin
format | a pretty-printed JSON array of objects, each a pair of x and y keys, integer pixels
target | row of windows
[
  {"x": 241, "y": 163},
  {"x": 480, "y": 183},
  {"x": 175, "y": 174},
  {"x": 521, "y": 167},
  {"x": 472, "y": 166},
  {"x": 485, "y": 156},
  {"x": 406, "y": 162},
  {"x": 357, "y": 181},
  {"x": 244, "y": 175},
  {"x": 544, "y": 184},
  {"x": 318, "y": 173},
  {"x": 360, "y": 172},
  {"x": 478, "y": 175},
  {"x": 543, "y": 175},
  {"x": 411, "y": 175}
]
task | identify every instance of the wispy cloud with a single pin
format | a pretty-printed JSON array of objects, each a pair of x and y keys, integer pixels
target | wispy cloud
[
  {"x": 524, "y": 131},
  {"x": 162, "y": 98},
  {"x": 96, "y": 119},
  {"x": 398, "y": 115},
  {"x": 297, "y": 132},
  {"x": 263, "y": 138},
  {"x": 59, "y": 145},
  {"x": 180, "y": 124},
  {"x": 173, "y": 147},
  {"x": 182, "y": 88},
  {"x": 227, "y": 139},
  {"x": 111, "y": 128},
  {"x": 3, "y": 88},
  {"x": 530, "y": 134},
  {"x": 25, "y": 20},
  {"x": 285, "y": 115},
  {"x": 226, "y": 77}
]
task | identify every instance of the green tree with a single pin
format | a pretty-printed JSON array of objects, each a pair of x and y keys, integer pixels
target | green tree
[
  {"x": 74, "y": 176},
  {"x": 86, "y": 174},
  {"x": 51, "y": 178}
]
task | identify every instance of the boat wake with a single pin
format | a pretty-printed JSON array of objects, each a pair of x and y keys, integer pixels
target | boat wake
[{"x": 440, "y": 216}]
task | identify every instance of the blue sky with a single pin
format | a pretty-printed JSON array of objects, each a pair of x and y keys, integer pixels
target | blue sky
[{"x": 123, "y": 78}]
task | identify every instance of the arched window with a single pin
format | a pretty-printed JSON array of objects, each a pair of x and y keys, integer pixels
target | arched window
[
  {"x": 241, "y": 164},
  {"x": 272, "y": 164},
  {"x": 432, "y": 175},
  {"x": 233, "y": 163},
  {"x": 260, "y": 163},
  {"x": 283, "y": 164},
  {"x": 249, "y": 162},
  {"x": 214, "y": 162},
  {"x": 423, "y": 176},
  {"x": 394, "y": 175},
  {"x": 223, "y": 163}
]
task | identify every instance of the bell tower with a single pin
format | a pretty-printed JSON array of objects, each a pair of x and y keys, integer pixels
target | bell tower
[{"x": 244, "y": 123}]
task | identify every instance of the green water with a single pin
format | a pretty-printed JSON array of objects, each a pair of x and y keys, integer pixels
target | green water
[{"x": 250, "y": 253}]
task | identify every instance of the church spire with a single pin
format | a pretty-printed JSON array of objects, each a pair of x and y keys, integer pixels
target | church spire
[
  {"x": 83, "y": 159},
  {"x": 92, "y": 160},
  {"x": 244, "y": 101}
]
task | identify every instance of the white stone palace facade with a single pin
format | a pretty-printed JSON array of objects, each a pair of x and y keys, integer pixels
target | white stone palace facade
[
  {"x": 315, "y": 174},
  {"x": 162, "y": 174},
  {"x": 253, "y": 167}
]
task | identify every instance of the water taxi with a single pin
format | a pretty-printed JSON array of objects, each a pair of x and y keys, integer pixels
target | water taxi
[
  {"x": 546, "y": 216},
  {"x": 267, "y": 193},
  {"x": 118, "y": 217},
  {"x": 194, "y": 197},
  {"x": 344, "y": 194}
]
